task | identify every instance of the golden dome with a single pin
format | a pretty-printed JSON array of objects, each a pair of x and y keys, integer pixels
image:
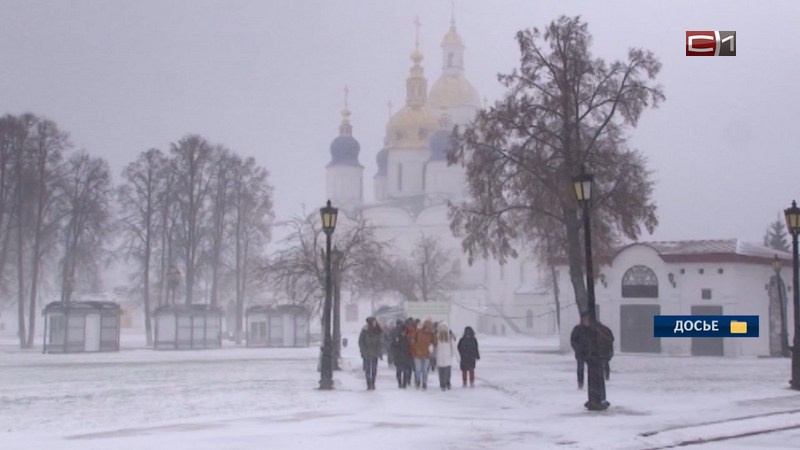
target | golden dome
[
  {"x": 451, "y": 91},
  {"x": 411, "y": 127}
]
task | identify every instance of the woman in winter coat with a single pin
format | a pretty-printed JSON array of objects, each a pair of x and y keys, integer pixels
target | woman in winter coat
[
  {"x": 369, "y": 342},
  {"x": 421, "y": 343},
  {"x": 401, "y": 353},
  {"x": 468, "y": 351},
  {"x": 444, "y": 355}
]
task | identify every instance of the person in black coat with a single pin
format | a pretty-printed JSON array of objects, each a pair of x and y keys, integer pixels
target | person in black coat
[
  {"x": 401, "y": 353},
  {"x": 580, "y": 340},
  {"x": 469, "y": 354},
  {"x": 591, "y": 345},
  {"x": 605, "y": 346}
]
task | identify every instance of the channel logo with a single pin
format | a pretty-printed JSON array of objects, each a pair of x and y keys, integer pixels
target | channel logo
[
  {"x": 710, "y": 43},
  {"x": 705, "y": 326}
]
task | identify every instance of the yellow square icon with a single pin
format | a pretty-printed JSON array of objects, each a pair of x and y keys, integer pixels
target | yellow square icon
[{"x": 738, "y": 327}]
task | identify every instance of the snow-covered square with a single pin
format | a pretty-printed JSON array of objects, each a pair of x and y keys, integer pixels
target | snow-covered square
[{"x": 525, "y": 397}]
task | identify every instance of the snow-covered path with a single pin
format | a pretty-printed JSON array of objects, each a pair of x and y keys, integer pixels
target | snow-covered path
[{"x": 265, "y": 398}]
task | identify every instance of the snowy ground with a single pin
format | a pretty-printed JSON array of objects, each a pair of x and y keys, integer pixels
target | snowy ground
[{"x": 526, "y": 397}]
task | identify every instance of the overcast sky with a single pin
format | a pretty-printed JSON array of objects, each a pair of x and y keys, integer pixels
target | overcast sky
[{"x": 265, "y": 78}]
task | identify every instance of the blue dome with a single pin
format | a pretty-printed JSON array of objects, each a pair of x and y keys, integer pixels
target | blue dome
[
  {"x": 441, "y": 143},
  {"x": 383, "y": 162},
  {"x": 344, "y": 151}
]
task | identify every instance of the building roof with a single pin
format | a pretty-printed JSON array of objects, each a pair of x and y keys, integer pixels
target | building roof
[
  {"x": 82, "y": 305},
  {"x": 715, "y": 250},
  {"x": 703, "y": 251}
]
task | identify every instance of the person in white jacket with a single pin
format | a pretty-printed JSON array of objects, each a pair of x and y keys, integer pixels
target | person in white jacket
[{"x": 444, "y": 354}]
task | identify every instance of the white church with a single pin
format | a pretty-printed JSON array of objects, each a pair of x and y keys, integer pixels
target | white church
[{"x": 411, "y": 188}]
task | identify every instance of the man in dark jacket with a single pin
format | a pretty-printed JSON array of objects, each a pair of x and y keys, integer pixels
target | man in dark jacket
[
  {"x": 468, "y": 352},
  {"x": 403, "y": 362},
  {"x": 369, "y": 342},
  {"x": 580, "y": 341},
  {"x": 589, "y": 349},
  {"x": 605, "y": 346}
]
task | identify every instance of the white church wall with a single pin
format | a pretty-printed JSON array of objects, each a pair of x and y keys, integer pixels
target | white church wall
[
  {"x": 344, "y": 185},
  {"x": 405, "y": 167}
]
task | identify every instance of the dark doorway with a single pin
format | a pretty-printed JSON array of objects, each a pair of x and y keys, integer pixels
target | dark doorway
[
  {"x": 636, "y": 328},
  {"x": 707, "y": 346}
]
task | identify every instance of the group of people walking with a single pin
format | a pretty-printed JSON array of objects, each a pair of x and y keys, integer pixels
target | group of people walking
[{"x": 416, "y": 348}]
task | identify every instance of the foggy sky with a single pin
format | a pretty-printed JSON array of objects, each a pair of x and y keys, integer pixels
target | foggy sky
[{"x": 265, "y": 78}]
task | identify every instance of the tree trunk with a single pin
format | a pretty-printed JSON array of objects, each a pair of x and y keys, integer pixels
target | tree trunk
[
  {"x": 20, "y": 285},
  {"x": 148, "y": 328},
  {"x": 337, "y": 324},
  {"x": 238, "y": 276},
  {"x": 556, "y": 293},
  {"x": 35, "y": 254}
]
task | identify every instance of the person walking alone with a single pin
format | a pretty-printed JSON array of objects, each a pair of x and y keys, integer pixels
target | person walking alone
[
  {"x": 369, "y": 342},
  {"x": 580, "y": 342},
  {"x": 469, "y": 354}
]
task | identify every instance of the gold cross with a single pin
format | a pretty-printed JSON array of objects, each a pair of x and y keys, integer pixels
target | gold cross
[{"x": 417, "y": 24}]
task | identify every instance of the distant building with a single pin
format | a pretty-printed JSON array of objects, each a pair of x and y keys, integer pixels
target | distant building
[
  {"x": 412, "y": 186},
  {"x": 708, "y": 277}
]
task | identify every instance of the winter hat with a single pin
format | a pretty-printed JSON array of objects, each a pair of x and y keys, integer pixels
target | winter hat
[{"x": 370, "y": 319}]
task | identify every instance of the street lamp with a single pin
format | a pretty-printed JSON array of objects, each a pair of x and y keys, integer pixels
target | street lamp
[
  {"x": 337, "y": 301},
  {"x": 776, "y": 264},
  {"x": 583, "y": 184},
  {"x": 328, "y": 214},
  {"x": 793, "y": 226}
]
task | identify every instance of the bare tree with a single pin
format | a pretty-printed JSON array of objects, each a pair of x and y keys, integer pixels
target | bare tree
[
  {"x": 220, "y": 204},
  {"x": 192, "y": 158},
  {"x": 87, "y": 201},
  {"x": 35, "y": 146},
  {"x": 138, "y": 198},
  {"x": 300, "y": 267},
  {"x": 564, "y": 109},
  {"x": 427, "y": 275},
  {"x": 252, "y": 202}
]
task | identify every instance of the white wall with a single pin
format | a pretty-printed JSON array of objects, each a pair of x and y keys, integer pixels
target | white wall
[
  {"x": 344, "y": 185},
  {"x": 739, "y": 289}
]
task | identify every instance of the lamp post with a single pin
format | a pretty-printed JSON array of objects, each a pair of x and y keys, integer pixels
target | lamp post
[
  {"x": 328, "y": 214},
  {"x": 583, "y": 184},
  {"x": 776, "y": 264},
  {"x": 337, "y": 313},
  {"x": 793, "y": 226}
]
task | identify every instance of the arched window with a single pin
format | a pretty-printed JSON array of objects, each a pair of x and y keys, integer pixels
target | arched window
[
  {"x": 450, "y": 59},
  {"x": 529, "y": 319},
  {"x": 640, "y": 282}
]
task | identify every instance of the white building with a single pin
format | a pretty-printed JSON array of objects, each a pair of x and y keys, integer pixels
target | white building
[
  {"x": 413, "y": 184},
  {"x": 713, "y": 277}
]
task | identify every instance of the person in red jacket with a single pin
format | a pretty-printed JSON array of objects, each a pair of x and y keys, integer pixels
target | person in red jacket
[{"x": 421, "y": 344}]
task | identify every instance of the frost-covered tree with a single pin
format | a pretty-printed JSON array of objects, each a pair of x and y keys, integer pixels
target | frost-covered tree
[{"x": 564, "y": 109}]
